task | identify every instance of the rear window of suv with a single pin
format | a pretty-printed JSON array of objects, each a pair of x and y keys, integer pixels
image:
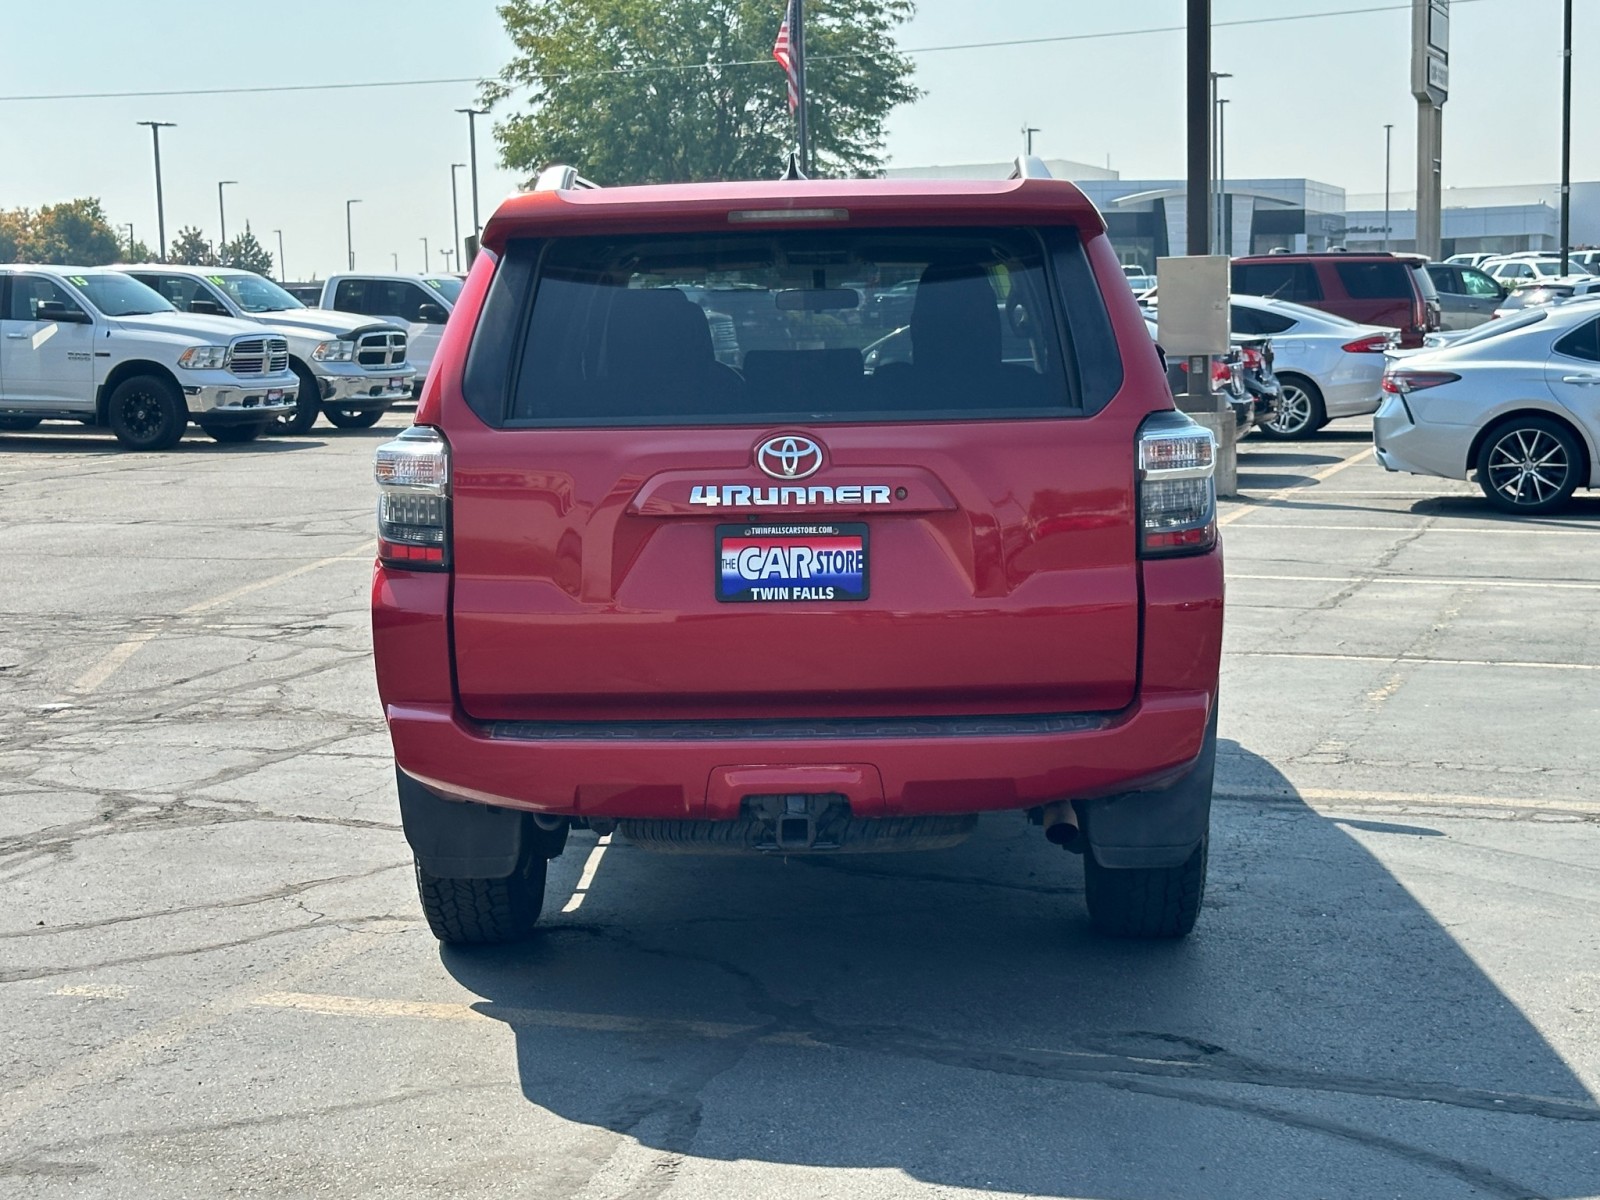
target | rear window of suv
[
  {"x": 1281, "y": 281},
  {"x": 813, "y": 326},
  {"x": 1374, "y": 280}
]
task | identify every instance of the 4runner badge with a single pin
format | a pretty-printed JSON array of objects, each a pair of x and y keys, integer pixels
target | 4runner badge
[{"x": 738, "y": 495}]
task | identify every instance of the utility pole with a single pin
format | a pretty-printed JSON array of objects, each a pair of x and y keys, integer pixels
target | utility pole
[
  {"x": 1388, "y": 161},
  {"x": 426, "y": 257},
  {"x": 1199, "y": 106},
  {"x": 1224, "y": 230},
  {"x": 222, "y": 218},
  {"x": 472, "y": 143},
  {"x": 349, "y": 238},
  {"x": 1027, "y": 134},
  {"x": 455, "y": 209},
  {"x": 1566, "y": 136},
  {"x": 161, "y": 211},
  {"x": 283, "y": 268}
]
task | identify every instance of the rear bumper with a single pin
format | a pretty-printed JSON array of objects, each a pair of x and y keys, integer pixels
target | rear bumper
[
  {"x": 1144, "y": 747},
  {"x": 1402, "y": 445}
]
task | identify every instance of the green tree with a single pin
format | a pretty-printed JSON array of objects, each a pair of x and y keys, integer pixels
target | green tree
[
  {"x": 16, "y": 235},
  {"x": 248, "y": 254},
  {"x": 651, "y": 91},
  {"x": 73, "y": 233},
  {"x": 191, "y": 249},
  {"x": 136, "y": 253}
]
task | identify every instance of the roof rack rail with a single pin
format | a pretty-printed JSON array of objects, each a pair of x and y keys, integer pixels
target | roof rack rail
[
  {"x": 561, "y": 178},
  {"x": 1030, "y": 166}
]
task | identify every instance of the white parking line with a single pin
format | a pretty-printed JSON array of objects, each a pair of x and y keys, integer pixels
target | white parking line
[
  {"x": 1310, "y": 480},
  {"x": 586, "y": 880},
  {"x": 1420, "y": 581},
  {"x": 1416, "y": 660},
  {"x": 1573, "y": 530}
]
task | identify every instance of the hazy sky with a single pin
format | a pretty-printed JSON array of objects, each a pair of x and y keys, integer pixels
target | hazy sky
[{"x": 1308, "y": 97}]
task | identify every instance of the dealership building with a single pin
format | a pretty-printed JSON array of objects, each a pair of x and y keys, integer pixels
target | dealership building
[{"x": 1148, "y": 218}]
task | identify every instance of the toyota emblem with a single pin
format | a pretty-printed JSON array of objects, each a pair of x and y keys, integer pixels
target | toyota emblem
[{"x": 789, "y": 457}]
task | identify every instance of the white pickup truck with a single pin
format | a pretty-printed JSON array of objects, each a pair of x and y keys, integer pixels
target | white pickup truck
[
  {"x": 420, "y": 303},
  {"x": 92, "y": 344},
  {"x": 351, "y": 369}
]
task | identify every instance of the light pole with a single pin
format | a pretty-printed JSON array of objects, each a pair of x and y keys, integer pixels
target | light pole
[
  {"x": 222, "y": 219},
  {"x": 161, "y": 212},
  {"x": 1566, "y": 136},
  {"x": 426, "y": 257},
  {"x": 1224, "y": 226},
  {"x": 472, "y": 144},
  {"x": 455, "y": 207},
  {"x": 349, "y": 237},
  {"x": 1216, "y": 167},
  {"x": 447, "y": 254},
  {"x": 1388, "y": 158},
  {"x": 1027, "y": 136},
  {"x": 283, "y": 269},
  {"x": 129, "y": 228},
  {"x": 394, "y": 254}
]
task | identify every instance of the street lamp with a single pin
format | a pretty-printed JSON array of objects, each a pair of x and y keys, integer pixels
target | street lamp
[
  {"x": 161, "y": 212},
  {"x": 394, "y": 254},
  {"x": 1216, "y": 164},
  {"x": 1027, "y": 136},
  {"x": 1388, "y": 149},
  {"x": 447, "y": 254},
  {"x": 349, "y": 239},
  {"x": 1224, "y": 226},
  {"x": 426, "y": 257},
  {"x": 455, "y": 207},
  {"x": 222, "y": 219},
  {"x": 472, "y": 139},
  {"x": 129, "y": 228},
  {"x": 283, "y": 269}
]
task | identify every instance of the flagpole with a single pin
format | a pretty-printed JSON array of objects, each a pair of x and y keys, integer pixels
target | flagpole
[{"x": 797, "y": 37}]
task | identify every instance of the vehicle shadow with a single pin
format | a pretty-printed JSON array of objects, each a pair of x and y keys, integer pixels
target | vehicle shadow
[
  {"x": 1285, "y": 458},
  {"x": 952, "y": 1017},
  {"x": 95, "y": 441}
]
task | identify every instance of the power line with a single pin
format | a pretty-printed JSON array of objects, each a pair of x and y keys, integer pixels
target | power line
[{"x": 477, "y": 81}]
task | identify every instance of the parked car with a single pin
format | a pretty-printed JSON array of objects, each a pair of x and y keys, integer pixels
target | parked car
[
  {"x": 309, "y": 294},
  {"x": 1541, "y": 295},
  {"x": 93, "y": 345},
  {"x": 1475, "y": 259},
  {"x": 1511, "y": 404},
  {"x": 1467, "y": 296},
  {"x": 1329, "y": 368},
  {"x": 420, "y": 304},
  {"x": 1242, "y": 378},
  {"x": 349, "y": 368},
  {"x": 1390, "y": 290},
  {"x": 1527, "y": 270},
  {"x": 1141, "y": 283},
  {"x": 1589, "y": 260},
  {"x": 710, "y": 608}
]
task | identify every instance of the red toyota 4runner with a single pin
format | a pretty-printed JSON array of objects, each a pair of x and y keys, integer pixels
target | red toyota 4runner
[{"x": 690, "y": 543}]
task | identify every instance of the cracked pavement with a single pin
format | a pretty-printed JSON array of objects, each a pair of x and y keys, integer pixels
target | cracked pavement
[{"x": 216, "y": 979}]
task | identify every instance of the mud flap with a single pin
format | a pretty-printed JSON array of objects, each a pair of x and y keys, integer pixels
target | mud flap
[
  {"x": 1154, "y": 829},
  {"x": 456, "y": 840}
]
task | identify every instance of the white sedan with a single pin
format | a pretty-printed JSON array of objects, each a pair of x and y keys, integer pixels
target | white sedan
[
  {"x": 1515, "y": 402},
  {"x": 1329, "y": 367}
]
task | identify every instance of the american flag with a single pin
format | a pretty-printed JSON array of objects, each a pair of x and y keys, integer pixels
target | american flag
[{"x": 783, "y": 52}]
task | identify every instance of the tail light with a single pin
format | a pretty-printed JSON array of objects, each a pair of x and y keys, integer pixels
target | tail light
[
  {"x": 1252, "y": 358},
  {"x": 1177, "y": 488},
  {"x": 1375, "y": 343},
  {"x": 413, "y": 475},
  {"x": 1221, "y": 372},
  {"x": 1403, "y": 383}
]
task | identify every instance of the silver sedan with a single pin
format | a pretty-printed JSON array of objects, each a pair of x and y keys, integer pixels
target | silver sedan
[
  {"x": 1515, "y": 402},
  {"x": 1329, "y": 367}
]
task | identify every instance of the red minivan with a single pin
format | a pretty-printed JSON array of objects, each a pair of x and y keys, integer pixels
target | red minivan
[{"x": 691, "y": 543}]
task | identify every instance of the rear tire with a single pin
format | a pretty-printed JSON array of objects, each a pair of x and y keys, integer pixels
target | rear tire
[
  {"x": 1529, "y": 466},
  {"x": 485, "y": 912},
  {"x": 1300, "y": 411},
  {"x": 307, "y": 404},
  {"x": 147, "y": 412},
  {"x": 19, "y": 424},
  {"x": 1139, "y": 902},
  {"x": 354, "y": 418}
]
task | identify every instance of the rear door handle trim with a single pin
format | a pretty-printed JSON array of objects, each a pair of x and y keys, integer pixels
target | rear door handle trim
[{"x": 1582, "y": 380}]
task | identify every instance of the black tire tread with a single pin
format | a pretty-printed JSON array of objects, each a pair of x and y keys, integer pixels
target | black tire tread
[
  {"x": 306, "y": 407},
  {"x": 483, "y": 912},
  {"x": 1146, "y": 902},
  {"x": 234, "y": 433},
  {"x": 177, "y": 410},
  {"x": 1559, "y": 429}
]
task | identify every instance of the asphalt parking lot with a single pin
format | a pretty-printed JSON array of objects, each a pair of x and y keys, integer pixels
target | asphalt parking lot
[{"x": 216, "y": 980}]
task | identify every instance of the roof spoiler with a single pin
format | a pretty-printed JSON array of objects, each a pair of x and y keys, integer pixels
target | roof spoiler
[
  {"x": 1030, "y": 166},
  {"x": 561, "y": 178}
]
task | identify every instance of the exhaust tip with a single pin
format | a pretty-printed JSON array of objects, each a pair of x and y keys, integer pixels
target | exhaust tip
[{"x": 1063, "y": 833}]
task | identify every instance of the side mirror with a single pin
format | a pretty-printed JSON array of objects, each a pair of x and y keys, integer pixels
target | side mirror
[
  {"x": 432, "y": 314},
  {"x": 209, "y": 308},
  {"x": 54, "y": 310}
]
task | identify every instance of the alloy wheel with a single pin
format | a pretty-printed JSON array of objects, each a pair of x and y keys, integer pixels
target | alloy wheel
[
  {"x": 1294, "y": 411},
  {"x": 1528, "y": 466}
]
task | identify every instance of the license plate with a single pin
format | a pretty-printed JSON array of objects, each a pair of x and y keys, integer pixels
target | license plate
[
  {"x": 274, "y": 397},
  {"x": 791, "y": 564}
]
